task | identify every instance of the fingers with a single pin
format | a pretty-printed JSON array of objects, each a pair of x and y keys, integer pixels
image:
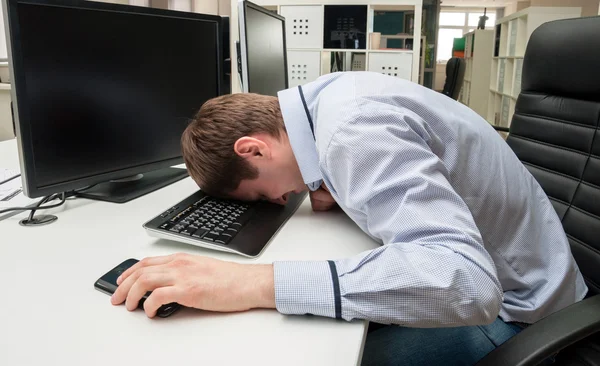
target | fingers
[
  {"x": 146, "y": 262},
  {"x": 321, "y": 206},
  {"x": 146, "y": 282},
  {"x": 321, "y": 200},
  {"x": 159, "y": 297},
  {"x": 123, "y": 290},
  {"x": 321, "y": 195}
]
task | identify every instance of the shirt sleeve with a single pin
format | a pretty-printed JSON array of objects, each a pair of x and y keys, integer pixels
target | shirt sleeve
[{"x": 432, "y": 269}]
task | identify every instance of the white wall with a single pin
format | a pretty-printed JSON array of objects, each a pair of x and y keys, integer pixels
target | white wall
[
  {"x": 588, "y": 7},
  {"x": 206, "y": 6},
  {"x": 214, "y": 7},
  {"x": 3, "y": 52},
  {"x": 139, "y": 2},
  {"x": 125, "y": 2},
  {"x": 6, "y": 129},
  {"x": 181, "y": 5}
]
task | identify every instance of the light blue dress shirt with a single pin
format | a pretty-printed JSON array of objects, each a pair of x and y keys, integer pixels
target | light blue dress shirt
[{"x": 466, "y": 232}]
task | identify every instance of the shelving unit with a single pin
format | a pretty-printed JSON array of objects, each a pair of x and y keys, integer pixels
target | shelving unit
[
  {"x": 479, "y": 47},
  {"x": 404, "y": 38},
  {"x": 306, "y": 52},
  {"x": 511, "y": 35}
]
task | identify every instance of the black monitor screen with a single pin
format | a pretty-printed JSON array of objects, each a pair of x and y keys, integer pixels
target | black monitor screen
[
  {"x": 109, "y": 90},
  {"x": 266, "y": 53}
]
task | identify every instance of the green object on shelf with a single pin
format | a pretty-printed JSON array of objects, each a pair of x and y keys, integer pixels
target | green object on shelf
[
  {"x": 388, "y": 22},
  {"x": 459, "y": 44}
]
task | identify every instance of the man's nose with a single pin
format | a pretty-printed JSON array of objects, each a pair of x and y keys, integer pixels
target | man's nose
[{"x": 281, "y": 200}]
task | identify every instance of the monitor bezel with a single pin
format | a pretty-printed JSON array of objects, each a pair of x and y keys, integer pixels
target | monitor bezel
[
  {"x": 242, "y": 5},
  {"x": 25, "y": 145}
]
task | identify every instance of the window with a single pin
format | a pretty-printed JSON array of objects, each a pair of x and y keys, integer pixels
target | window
[
  {"x": 455, "y": 24},
  {"x": 456, "y": 19},
  {"x": 445, "y": 41}
]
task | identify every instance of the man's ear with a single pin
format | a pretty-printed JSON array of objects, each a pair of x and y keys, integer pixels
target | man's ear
[{"x": 251, "y": 147}]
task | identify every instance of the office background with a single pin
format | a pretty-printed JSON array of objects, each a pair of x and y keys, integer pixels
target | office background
[
  {"x": 441, "y": 23},
  {"x": 447, "y": 35}
]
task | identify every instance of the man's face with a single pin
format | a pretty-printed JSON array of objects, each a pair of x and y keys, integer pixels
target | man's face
[
  {"x": 267, "y": 189},
  {"x": 278, "y": 171}
]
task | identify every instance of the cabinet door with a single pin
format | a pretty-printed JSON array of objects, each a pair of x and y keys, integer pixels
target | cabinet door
[
  {"x": 392, "y": 64},
  {"x": 303, "y": 26},
  {"x": 303, "y": 67}
]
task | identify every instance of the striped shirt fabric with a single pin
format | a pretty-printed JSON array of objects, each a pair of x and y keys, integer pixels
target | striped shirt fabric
[{"x": 466, "y": 232}]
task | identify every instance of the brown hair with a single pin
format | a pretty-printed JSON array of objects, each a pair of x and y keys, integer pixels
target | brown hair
[{"x": 207, "y": 142}]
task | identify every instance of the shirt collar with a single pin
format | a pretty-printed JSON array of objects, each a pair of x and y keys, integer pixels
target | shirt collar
[{"x": 301, "y": 136}]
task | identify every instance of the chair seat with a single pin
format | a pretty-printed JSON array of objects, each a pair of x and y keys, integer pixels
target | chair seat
[{"x": 583, "y": 353}]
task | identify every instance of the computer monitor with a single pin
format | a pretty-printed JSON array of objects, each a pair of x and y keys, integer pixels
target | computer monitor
[
  {"x": 225, "y": 50},
  {"x": 263, "y": 50},
  {"x": 102, "y": 92}
]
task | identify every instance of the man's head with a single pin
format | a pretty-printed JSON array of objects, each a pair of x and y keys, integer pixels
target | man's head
[{"x": 236, "y": 146}]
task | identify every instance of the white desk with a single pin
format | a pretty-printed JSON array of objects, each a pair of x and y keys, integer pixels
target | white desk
[{"x": 50, "y": 314}]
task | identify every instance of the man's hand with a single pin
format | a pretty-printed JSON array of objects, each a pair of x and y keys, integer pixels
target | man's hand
[
  {"x": 198, "y": 282},
  {"x": 321, "y": 199}
]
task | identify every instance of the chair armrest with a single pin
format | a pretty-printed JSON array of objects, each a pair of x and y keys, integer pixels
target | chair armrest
[
  {"x": 548, "y": 336},
  {"x": 501, "y": 129}
]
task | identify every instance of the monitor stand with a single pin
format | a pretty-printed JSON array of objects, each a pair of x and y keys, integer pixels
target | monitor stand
[{"x": 126, "y": 189}]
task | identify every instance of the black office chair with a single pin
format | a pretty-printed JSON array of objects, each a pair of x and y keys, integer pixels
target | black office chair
[
  {"x": 455, "y": 74},
  {"x": 555, "y": 133}
]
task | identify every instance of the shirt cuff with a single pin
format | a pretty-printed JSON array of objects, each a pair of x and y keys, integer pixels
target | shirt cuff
[{"x": 307, "y": 288}]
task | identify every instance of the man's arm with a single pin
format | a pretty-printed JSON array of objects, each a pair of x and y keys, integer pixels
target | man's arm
[
  {"x": 198, "y": 282},
  {"x": 432, "y": 269}
]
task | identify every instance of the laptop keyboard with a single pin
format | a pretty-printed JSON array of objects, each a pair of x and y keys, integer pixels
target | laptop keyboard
[{"x": 209, "y": 219}]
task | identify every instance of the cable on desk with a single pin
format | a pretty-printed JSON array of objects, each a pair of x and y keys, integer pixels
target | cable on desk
[
  {"x": 47, "y": 199},
  {"x": 38, "y": 206},
  {"x": 9, "y": 179}
]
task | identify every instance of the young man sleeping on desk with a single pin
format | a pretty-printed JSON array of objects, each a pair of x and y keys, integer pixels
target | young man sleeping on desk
[{"x": 471, "y": 248}]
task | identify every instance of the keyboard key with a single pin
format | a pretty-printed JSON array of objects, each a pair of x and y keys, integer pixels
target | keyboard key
[
  {"x": 198, "y": 233},
  {"x": 187, "y": 231},
  {"x": 176, "y": 228},
  {"x": 165, "y": 226},
  {"x": 231, "y": 230},
  {"x": 224, "y": 238},
  {"x": 211, "y": 236},
  {"x": 219, "y": 229}
]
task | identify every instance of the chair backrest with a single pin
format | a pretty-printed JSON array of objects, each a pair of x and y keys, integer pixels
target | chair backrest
[
  {"x": 455, "y": 74},
  {"x": 555, "y": 130}
]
